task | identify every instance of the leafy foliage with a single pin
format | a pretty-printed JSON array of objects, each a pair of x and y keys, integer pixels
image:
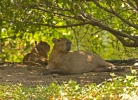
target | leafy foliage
[{"x": 96, "y": 26}]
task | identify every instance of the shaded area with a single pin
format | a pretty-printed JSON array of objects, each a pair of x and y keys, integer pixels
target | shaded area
[{"x": 13, "y": 73}]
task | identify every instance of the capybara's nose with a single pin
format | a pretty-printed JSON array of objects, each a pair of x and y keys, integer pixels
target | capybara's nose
[{"x": 68, "y": 48}]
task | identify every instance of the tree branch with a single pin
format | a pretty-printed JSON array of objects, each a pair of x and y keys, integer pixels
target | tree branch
[
  {"x": 63, "y": 26},
  {"x": 56, "y": 13},
  {"x": 136, "y": 2},
  {"x": 116, "y": 14},
  {"x": 131, "y": 4},
  {"x": 128, "y": 44},
  {"x": 116, "y": 33},
  {"x": 94, "y": 22},
  {"x": 42, "y": 24}
]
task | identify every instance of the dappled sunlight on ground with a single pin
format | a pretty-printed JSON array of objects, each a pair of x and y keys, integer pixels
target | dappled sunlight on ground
[{"x": 14, "y": 73}]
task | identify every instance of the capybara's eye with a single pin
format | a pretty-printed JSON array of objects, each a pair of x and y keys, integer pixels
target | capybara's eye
[
  {"x": 58, "y": 40},
  {"x": 67, "y": 42}
]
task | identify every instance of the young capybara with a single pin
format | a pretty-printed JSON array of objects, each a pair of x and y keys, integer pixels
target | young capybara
[
  {"x": 64, "y": 62},
  {"x": 38, "y": 55}
]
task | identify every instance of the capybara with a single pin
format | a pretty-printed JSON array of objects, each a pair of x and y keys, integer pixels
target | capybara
[
  {"x": 64, "y": 62},
  {"x": 38, "y": 55}
]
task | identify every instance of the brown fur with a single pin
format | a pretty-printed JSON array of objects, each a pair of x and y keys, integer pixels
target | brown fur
[
  {"x": 64, "y": 62},
  {"x": 38, "y": 54}
]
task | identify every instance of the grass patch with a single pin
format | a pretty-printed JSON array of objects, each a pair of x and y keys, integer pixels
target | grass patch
[{"x": 118, "y": 88}]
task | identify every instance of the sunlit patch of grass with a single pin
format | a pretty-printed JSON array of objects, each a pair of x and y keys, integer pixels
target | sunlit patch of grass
[{"x": 118, "y": 88}]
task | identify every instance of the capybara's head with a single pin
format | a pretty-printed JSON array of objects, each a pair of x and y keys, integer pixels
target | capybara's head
[
  {"x": 41, "y": 47},
  {"x": 62, "y": 44}
]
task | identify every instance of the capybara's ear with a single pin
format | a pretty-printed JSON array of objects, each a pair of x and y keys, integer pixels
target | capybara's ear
[
  {"x": 41, "y": 41},
  {"x": 36, "y": 43},
  {"x": 54, "y": 40}
]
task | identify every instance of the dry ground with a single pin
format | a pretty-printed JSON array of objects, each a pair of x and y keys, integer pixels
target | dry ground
[{"x": 13, "y": 73}]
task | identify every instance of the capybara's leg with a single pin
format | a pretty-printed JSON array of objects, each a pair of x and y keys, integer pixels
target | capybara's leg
[
  {"x": 108, "y": 65},
  {"x": 48, "y": 70},
  {"x": 108, "y": 69},
  {"x": 26, "y": 58},
  {"x": 60, "y": 71},
  {"x": 100, "y": 69},
  {"x": 45, "y": 72}
]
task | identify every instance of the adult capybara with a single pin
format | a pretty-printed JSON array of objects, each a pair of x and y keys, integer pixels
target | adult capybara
[
  {"x": 38, "y": 55},
  {"x": 64, "y": 62}
]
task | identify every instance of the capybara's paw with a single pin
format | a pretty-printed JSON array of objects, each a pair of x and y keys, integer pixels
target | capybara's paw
[
  {"x": 118, "y": 69},
  {"x": 46, "y": 72}
]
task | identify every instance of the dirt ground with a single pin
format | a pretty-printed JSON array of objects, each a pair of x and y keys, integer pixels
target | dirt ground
[{"x": 14, "y": 73}]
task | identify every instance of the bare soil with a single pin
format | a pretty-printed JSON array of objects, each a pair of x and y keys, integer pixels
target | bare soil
[{"x": 14, "y": 73}]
